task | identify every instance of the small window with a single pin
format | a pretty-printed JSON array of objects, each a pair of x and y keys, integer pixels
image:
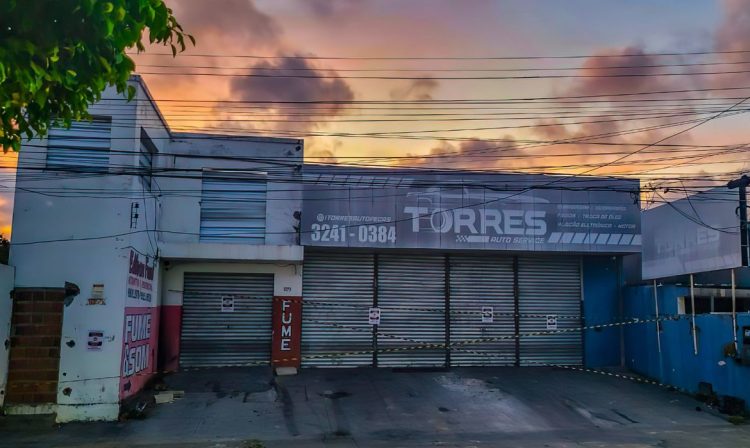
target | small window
[
  {"x": 702, "y": 305},
  {"x": 712, "y": 304},
  {"x": 83, "y": 147},
  {"x": 722, "y": 305},
  {"x": 146, "y": 160},
  {"x": 233, "y": 207}
]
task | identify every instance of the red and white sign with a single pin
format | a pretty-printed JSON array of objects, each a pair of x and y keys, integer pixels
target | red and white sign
[
  {"x": 139, "y": 345},
  {"x": 287, "y": 329}
]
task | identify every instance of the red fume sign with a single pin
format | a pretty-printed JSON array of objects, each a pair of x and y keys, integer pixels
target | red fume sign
[
  {"x": 287, "y": 331},
  {"x": 140, "y": 338}
]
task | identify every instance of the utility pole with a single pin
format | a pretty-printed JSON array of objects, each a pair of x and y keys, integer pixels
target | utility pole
[{"x": 742, "y": 183}]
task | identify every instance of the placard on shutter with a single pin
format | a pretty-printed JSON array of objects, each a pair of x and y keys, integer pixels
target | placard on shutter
[
  {"x": 411, "y": 281},
  {"x": 550, "y": 286},
  {"x": 211, "y": 337},
  {"x": 476, "y": 283},
  {"x": 343, "y": 284}
]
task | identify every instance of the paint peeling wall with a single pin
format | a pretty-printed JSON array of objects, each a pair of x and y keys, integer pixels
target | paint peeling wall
[
  {"x": 6, "y": 306},
  {"x": 84, "y": 250},
  {"x": 677, "y": 363}
]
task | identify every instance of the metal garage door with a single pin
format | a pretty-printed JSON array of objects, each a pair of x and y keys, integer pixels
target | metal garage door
[
  {"x": 414, "y": 282},
  {"x": 211, "y": 337},
  {"x": 343, "y": 286},
  {"x": 477, "y": 282},
  {"x": 550, "y": 286}
]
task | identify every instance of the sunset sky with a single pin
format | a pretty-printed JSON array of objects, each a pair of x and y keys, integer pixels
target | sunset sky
[{"x": 301, "y": 34}]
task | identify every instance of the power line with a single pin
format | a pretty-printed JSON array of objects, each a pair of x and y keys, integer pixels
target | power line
[
  {"x": 444, "y": 78},
  {"x": 447, "y": 58}
]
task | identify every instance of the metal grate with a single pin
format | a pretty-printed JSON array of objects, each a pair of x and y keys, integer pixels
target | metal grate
[
  {"x": 345, "y": 280},
  {"x": 233, "y": 208},
  {"x": 478, "y": 282},
  {"x": 550, "y": 286},
  {"x": 83, "y": 147},
  {"x": 417, "y": 282},
  {"x": 211, "y": 337}
]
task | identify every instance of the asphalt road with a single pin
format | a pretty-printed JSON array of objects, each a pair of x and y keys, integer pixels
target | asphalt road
[{"x": 461, "y": 407}]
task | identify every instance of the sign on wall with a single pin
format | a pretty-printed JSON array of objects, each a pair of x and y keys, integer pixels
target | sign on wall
[
  {"x": 692, "y": 235},
  {"x": 551, "y": 322},
  {"x": 373, "y": 317},
  {"x": 397, "y": 209},
  {"x": 286, "y": 336},
  {"x": 140, "y": 277},
  {"x": 488, "y": 314},
  {"x": 139, "y": 344},
  {"x": 227, "y": 304}
]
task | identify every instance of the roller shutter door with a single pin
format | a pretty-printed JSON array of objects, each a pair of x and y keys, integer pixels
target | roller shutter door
[
  {"x": 342, "y": 284},
  {"x": 411, "y": 282},
  {"x": 477, "y": 282},
  {"x": 211, "y": 337},
  {"x": 550, "y": 286},
  {"x": 83, "y": 147}
]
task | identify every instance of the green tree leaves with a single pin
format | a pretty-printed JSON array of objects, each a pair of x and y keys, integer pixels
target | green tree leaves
[{"x": 57, "y": 56}]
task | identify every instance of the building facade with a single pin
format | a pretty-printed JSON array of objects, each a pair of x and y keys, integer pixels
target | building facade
[
  {"x": 694, "y": 274},
  {"x": 138, "y": 251},
  {"x": 130, "y": 215}
]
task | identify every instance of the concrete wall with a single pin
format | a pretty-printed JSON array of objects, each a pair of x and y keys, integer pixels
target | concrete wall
[
  {"x": 188, "y": 157},
  {"x": 677, "y": 363},
  {"x": 601, "y": 306},
  {"x": 6, "y": 307},
  {"x": 287, "y": 282},
  {"x": 62, "y": 233}
]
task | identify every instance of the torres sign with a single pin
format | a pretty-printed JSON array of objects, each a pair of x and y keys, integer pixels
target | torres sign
[{"x": 398, "y": 209}]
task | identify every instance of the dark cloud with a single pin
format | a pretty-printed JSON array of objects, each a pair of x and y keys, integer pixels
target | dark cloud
[
  {"x": 418, "y": 89},
  {"x": 279, "y": 90},
  {"x": 600, "y": 77},
  {"x": 218, "y": 24},
  {"x": 607, "y": 80},
  {"x": 503, "y": 154},
  {"x": 328, "y": 8},
  {"x": 733, "y": 34}
]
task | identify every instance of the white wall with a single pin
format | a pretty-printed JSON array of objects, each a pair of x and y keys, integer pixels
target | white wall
[
  {"x": 6, "y": 308},
  {"x": 187, "y": 155},
  {"x": 77, "y": 228},
  {"x": 55, "y": 217},
  {"x": 287, "y": 276}
]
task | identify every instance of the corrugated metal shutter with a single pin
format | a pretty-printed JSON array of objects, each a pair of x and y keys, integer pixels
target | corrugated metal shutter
[
  {"x": 550, "y": 286},
  {"x": 416, "y": 282},
  {"x": 211, "y": 337},
  {"x": 233, "y": 208},
  {"x": 478, "y": 282},
  {"x": 83, "y": 147},
  {"x": 345, "y": 280}
]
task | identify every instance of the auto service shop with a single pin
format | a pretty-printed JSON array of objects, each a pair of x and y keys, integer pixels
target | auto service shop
[{"x": 415, "y": 268}]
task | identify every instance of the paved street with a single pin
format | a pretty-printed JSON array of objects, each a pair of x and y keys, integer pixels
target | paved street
[{"x": 372, "y": 408}]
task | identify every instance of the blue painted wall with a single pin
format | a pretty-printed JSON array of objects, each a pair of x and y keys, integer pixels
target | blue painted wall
[
  {"x": 677, "y": 364},
  {"x": 601, "y": 306}
]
